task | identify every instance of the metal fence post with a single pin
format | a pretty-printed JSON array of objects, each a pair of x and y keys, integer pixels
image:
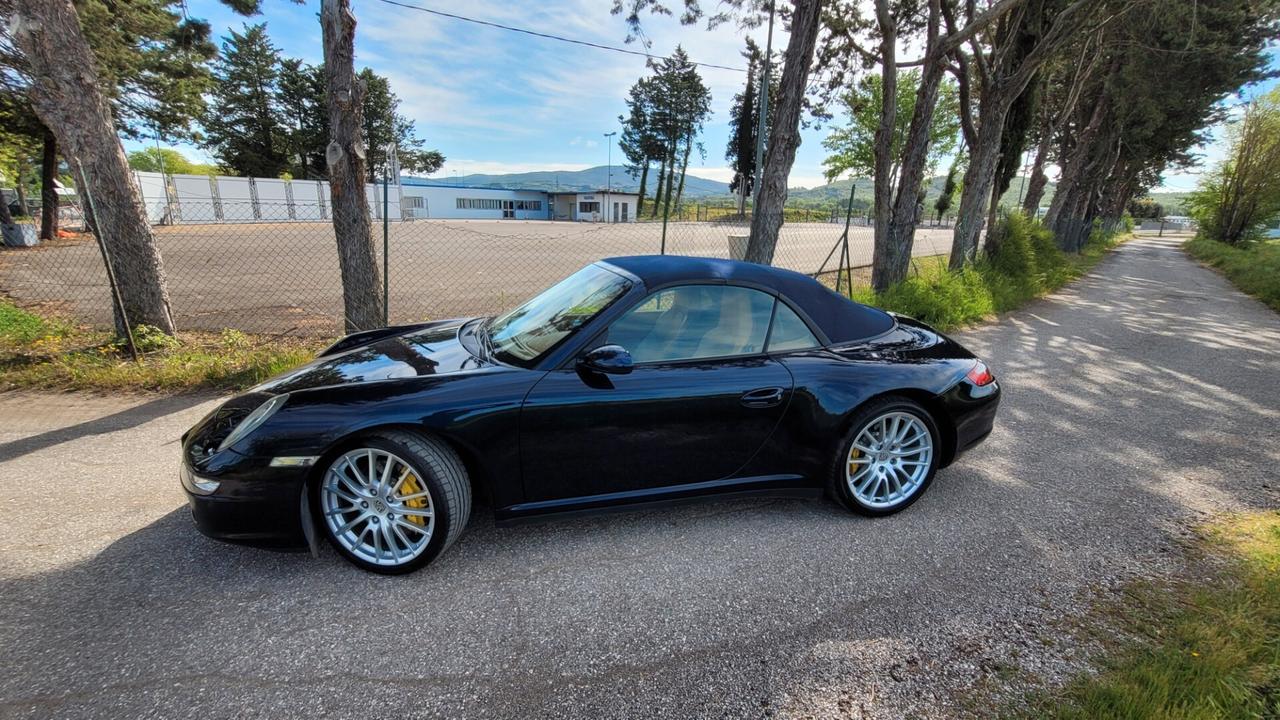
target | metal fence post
[
  {"x": 666, "y": 210},
  {"x": 386, "y": 249}
]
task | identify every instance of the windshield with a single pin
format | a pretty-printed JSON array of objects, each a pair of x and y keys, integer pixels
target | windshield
[{"x": 527, "y": 333}]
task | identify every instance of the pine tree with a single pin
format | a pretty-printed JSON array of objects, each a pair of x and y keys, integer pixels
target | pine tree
[
  {"x": 744, "y": 123},
  {"x": 681, "y": 103},
  {"x": 639, "y": 144},
  {"x": 152, "y": 64},
  {"x": 948, "y": 194},
  {"x": 383, "y": 125},
  {"x": 300, "y": 93},
  {"x": 243, "y": 127}
]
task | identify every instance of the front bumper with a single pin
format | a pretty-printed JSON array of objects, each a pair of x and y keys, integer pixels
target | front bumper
[{"x": 253, "y": 504}]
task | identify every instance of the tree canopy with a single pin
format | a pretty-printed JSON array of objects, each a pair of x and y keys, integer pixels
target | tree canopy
[
  {"x": 269, "y": 116},
  {"x": 167, "y": 160},
  {"x": 852, "y": 146},
  {"x": 666, "y": 112},
  {"x": 1241, "y": 195}
]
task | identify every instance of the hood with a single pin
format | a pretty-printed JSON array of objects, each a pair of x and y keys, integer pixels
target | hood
[{"x": 436, "y": 350}]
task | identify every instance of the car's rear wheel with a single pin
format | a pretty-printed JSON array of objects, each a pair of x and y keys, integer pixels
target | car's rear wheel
[
  {"x": 887, "y": 459},
  {"x": 393, "y": 501}
]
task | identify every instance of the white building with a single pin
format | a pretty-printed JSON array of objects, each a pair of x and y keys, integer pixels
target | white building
[
  {"x": 460, "y": 202},
  {"x": 597, "y": 206}
]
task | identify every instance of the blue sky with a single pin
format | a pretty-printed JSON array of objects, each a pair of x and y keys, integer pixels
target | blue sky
[{"x": 494, "y": 101}]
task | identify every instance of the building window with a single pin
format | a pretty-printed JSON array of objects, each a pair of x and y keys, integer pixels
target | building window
[
  {"x": 528, "y": 204},
  {"x": 479, "y": 204},
  {"x": 589, "y": 207},
  {"x": 412, "y": 202}
]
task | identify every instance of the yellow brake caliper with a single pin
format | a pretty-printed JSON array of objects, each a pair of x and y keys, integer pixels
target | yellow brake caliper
[
  {"x": 854, "y": 455},
  {"x": 411, "y": 487}
]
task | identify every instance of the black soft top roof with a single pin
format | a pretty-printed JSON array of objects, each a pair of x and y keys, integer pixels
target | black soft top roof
[{"x": 838, "y": 317}]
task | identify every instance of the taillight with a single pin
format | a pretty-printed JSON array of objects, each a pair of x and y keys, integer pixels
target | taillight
[{"x": 980, "y": 375}]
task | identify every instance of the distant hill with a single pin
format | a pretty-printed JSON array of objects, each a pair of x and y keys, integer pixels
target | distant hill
[
  {"x": 1173, "y": 203},
  {"x": 697, "y": 188},
  {"x": 595, "y": 178},
  {"x": 837, "y": 193}
]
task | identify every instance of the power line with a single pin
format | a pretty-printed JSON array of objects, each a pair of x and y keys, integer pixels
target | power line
[{"x": 549, "y": 36}]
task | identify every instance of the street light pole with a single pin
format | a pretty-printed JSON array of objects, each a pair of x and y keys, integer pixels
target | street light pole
[{"x": 608, "y": 196}]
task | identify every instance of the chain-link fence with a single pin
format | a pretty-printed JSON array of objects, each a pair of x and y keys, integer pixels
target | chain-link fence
[{"x": 283, "y": 277}]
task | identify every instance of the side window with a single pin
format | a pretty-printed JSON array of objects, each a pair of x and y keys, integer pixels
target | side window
[
  {"x": 789, "y": 331},
  {"x": 695, "y": 321}
]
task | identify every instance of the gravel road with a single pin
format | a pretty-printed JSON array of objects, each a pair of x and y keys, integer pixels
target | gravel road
[{"x": 1137, "y": 401}]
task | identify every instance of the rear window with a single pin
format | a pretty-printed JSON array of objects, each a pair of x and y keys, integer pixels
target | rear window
[{"x": 789, "y": 331}]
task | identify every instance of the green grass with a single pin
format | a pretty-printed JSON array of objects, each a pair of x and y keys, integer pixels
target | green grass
[
  {"x": 1199, "y": 650},
  {"x": 1254, "y": 268},
  {"x": 47, "y": 352},
  {"x": 1028, "y": 265}
]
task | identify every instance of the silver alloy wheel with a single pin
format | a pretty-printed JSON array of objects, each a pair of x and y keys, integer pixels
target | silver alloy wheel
[
  {"x": 377, "y": 506},
  {"x": 889, "y": 460}
]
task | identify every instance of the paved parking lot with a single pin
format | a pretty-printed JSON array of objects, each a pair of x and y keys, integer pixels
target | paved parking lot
[
  {"x": 1137, "y": 401},
  {"x": 276, "y": 277}
]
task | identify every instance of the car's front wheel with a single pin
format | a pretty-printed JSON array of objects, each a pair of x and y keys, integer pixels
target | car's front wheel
[
  {"x": 888, "y": 457},
  {"x": 393, "y": 501}
]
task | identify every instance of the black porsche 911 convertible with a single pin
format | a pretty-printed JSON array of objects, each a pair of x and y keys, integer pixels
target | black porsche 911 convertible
[{"x": 635, "y": 380}]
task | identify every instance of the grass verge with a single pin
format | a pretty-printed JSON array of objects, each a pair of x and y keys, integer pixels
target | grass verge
[
  {"x": 50, "y": 353},
  {"x": 1028, "y": 265},
  {"x": 1254, "y": 268},
  {"x": 1195, "y": 650}
]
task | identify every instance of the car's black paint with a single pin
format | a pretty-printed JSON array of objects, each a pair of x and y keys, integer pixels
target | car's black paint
[
  {"x": 562, "y": 436},
  {"x": 607, "y": 359}
]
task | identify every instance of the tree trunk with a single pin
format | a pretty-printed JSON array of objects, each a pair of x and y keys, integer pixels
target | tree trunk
[
  {"x": 6, "y": 218},
  {"x": 1038, "y": 181},
  {"x": 893, "y": 258},
  {"x": 784, "y": 135},
  {"x": 49, "y": 188},
  {"x": 20, "y": 188},
  {"x": 67, "y": 98},
  {"x": 684, "y": 166},
  {"x": 978, "y": 180},
  {"x": 345, "y": 157},
  {"x": 662, "y": 179},
  {"x": 644, "y": 178},
  {"x": 671, "y": 181},
  {"x": 884, "y": 261},
  {"x": 992, "y": 244}
]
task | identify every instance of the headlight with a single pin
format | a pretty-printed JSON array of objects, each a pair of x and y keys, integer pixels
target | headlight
[
  {"x": 253, "y": 420},
  {"x": 195, "y": 484}
]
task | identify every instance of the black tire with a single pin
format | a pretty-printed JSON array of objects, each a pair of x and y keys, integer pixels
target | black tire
[
  {"x": 839, "y": 489},
  {"x": 445, "y": 478}
]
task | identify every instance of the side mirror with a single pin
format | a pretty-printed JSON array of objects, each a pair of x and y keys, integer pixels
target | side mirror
[{"x": 609, "y": 359}]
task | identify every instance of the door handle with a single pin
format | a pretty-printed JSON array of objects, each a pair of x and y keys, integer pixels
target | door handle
[{"x": 763, "y": 397}]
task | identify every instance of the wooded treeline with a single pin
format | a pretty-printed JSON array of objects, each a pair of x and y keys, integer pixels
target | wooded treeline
[
  {"x": 1111, "y": 93},
  {"x": 268, "y": 115}
]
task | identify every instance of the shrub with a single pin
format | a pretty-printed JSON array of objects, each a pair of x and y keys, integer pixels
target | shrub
[
  {"x": 149, "y": 338},
  {"x": 1027, "y": 265},
  {"x": 1254, "y": 267},
  {"x": 944, "y": 299}
]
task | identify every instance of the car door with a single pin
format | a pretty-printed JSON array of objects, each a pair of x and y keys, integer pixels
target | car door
[{"x": 701, "y": 399}]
